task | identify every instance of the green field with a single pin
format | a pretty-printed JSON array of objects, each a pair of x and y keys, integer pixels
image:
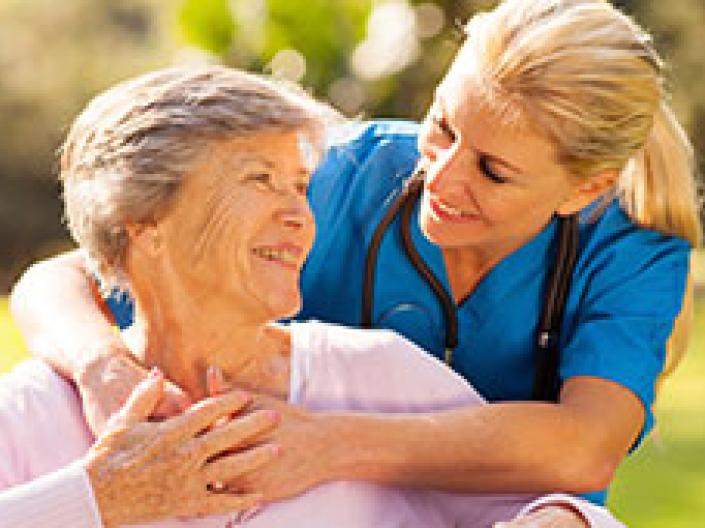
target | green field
[{"x": 661, "y": 486}]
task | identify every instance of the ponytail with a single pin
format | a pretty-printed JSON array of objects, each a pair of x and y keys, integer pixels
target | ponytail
[
  {"x": 658, "y": 191},
  {"x": 589, "y": 76}
]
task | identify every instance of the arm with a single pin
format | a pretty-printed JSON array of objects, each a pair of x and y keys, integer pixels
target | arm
[
  {"x": 142, "y": 472},
  {"x": 573, "y": 446},
  {"x": 64, "y": 321},
  {"x": 58, "y": 309}
]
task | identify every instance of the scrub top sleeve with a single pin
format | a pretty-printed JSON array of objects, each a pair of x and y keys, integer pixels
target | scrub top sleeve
[{"x": 632, "y": 297}]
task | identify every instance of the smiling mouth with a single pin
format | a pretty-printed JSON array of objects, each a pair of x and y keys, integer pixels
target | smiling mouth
[
  {"x": 288, "y": 257},
  {"x": 450, "y": 213}
]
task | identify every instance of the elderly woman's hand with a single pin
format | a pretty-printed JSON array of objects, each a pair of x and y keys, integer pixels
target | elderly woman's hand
[
  {"x": 550, "y": 516},
  {"x": 144, "y": 471},
  {"x": 106, "y": 380}
]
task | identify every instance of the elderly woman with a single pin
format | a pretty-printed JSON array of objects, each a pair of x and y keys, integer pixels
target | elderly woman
[{"x": 188, "y": 186}]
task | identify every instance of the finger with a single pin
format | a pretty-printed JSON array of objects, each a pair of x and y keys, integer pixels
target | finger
[
  {"x": 235, "y": 433},
  {"x": 215, "y": 381},
  {"x": 174, "y": 402},
  {"x": 142, "y": 401},
  {"x": 222, "y": 503},
  {"x": 232, "y": 466},
  {"x": 206, "y": 412}
]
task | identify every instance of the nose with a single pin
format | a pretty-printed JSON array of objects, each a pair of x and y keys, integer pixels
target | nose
[
  {"x": 296, "y": 215},
  {"x": 446, "y": 172}
]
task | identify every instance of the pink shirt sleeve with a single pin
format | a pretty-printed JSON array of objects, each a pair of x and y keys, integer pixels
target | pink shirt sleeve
[{"x": 42, "y": 436}]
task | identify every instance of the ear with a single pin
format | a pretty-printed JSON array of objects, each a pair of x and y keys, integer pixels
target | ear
[
  {"x": 587, "y": 191},
  {"x": 144, "y": 238}
]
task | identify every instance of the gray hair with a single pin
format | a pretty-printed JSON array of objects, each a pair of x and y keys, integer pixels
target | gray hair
[{"x": 126, "y": 154}]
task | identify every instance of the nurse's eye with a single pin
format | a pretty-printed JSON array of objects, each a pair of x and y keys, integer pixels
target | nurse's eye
[
  {"x": 485, "y": 165},
  {"x": 440, "y": 124}
]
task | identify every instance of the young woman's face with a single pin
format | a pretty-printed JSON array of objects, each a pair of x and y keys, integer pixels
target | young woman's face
[
  {"x": 490, "y": 185},
  {"x": 241, "y": 227}
]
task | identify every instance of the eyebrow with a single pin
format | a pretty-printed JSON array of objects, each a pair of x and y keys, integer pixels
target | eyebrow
[
  {"x": 439, "y": 100},
  {"x": 273, "y": 166}
]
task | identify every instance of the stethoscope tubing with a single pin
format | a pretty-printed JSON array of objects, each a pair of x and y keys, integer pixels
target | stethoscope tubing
[{"x": 547, "y": 379}]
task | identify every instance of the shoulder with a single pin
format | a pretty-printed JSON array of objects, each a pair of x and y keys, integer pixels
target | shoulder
[
  {"x": 31, "y": 387},
  {"x": 36, "y": 405},
  {"x": 616, "y": 252},
  {"x": 377, "y": 369},
  {"x": 361, "y": 155}
]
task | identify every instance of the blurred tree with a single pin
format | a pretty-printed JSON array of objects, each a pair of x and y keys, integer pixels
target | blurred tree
[{"x": 367, "y": 57}]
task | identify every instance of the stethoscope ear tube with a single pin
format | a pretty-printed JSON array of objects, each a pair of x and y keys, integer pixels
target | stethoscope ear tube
[
  {"x": 368, "y": 281},
  {"x": 547, "y": 379},
  {"x": 405, "y": 203}
]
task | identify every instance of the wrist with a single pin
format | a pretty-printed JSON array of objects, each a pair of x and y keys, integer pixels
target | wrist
[
  {"x": 91, "y": 365},
  {"x": 99, "y": 482},
  {"x": 360, "y": 449}
]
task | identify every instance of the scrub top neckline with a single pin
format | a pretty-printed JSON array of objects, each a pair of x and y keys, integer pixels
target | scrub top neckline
[{"x": 501, "y": 280}]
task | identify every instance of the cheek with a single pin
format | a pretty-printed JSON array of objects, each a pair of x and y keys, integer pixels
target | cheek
[{"x": 218, "y": 238}]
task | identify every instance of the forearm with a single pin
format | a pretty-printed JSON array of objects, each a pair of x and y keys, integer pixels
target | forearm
[
  {"x": 516, "y": 447},
  {"x": 60, "y": 316}
]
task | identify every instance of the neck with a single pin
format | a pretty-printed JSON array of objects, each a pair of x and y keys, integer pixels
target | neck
[
  {"x": 465, "y": 269},
  {"x": 467, "y": 266},
  {"x": 185, "y": 337}
]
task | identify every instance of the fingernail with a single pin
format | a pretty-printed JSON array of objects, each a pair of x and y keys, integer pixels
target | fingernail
[{"x": 276, "y": 449}]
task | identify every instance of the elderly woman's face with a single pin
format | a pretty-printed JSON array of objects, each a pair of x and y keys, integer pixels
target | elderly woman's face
[{"x": 241, "y": 227}]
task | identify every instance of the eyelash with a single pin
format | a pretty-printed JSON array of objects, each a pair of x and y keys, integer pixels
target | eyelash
[
  {"x": 265, "y": 179},
  {"x": 262, "y": 179},
  {"x": 442, "y": 125},
  {"x": 483, "y": 163}
]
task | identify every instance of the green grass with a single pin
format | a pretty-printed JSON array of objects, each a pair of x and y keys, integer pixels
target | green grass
[
  {"x": 661, "y": 486},
  {"x": 12, "y": 348}
]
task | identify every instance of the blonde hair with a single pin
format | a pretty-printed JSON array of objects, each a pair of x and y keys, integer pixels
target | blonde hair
[
  {"x": 589, "y": 76},
  {"x": 126, "y": 154}
]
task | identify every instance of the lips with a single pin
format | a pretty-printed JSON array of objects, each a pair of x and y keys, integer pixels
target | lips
[
  {"x": 448, "y": 213},
  {"x": 286, "y": 255}
]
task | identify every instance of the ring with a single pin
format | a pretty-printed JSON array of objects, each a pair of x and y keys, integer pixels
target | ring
[{"x": 217, "y": 487}]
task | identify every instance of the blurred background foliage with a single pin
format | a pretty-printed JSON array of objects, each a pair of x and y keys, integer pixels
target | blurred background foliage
[{"x": 369, "y": 58}]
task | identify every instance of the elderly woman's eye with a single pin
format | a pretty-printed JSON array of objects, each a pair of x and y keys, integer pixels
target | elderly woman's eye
[{"x": 262, "y": 179}]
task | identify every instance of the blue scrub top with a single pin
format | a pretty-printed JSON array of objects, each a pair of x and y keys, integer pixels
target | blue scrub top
[{"x": 626, "y": 291}]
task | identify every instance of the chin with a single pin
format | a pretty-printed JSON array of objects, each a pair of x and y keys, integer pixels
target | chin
[
  {"x": 284, "y": 306},
  {"x": 450, "y": 236}
]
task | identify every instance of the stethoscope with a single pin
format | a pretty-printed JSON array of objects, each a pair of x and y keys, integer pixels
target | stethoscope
[{"x": 546, "y": 381}]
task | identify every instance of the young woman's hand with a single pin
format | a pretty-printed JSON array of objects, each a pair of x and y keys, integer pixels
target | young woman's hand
[
  {"x": 105, "y": 382},
  {"x": 144, "y": 471},
  {"x": 302, "y": 448},
  {"x": 551, "y": 516}
]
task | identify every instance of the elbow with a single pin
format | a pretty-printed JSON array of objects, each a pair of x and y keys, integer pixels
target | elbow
[
  {"x": 586, "y": 472},
  {"x": 19, "y": 293}
]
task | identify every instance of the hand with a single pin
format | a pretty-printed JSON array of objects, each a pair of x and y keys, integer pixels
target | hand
[
  {"x": 105, "y": 382},
  {"x": 551, "y": 516},
  {"x": 144, "y": 471},
  {"x": 302, "y": 449}
]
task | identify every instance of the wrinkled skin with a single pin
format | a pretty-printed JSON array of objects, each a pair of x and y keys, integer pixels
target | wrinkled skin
[{"x": 144, "y": 471}]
